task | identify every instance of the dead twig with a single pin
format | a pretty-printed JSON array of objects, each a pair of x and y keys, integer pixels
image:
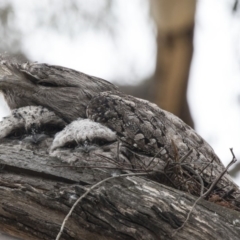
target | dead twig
[
  {"x": 182, "y": 159},
  {"x": 221, "y": 175},
  {"x": 118, "y": 151},
  {"x": 208, "y": 191},
  {"x": 105, "y": 167},
  {"x": 88, "y": 191},
  {"x": 154, "y": 157},
  {"x": 199, "y": 175},
  {"x": 190, "y": 169}
]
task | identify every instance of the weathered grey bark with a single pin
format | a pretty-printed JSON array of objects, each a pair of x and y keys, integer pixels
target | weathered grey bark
[{"x": 35, "y": 197}]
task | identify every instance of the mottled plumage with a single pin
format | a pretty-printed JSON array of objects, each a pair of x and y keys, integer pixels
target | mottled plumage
[
  {"x": 138, "y": 124},
  {"x": 62, "y": 90},
  {"x": 146, "y": 128},
  {"x": 81, "y": 142},
  {"x": 84, "y": 136},
  {"x": 29, "y": 119}
]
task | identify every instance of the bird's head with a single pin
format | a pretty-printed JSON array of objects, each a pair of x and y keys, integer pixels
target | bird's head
[{"x": 62, "y": 90}]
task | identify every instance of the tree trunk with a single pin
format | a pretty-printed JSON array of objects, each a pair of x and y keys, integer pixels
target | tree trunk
[
  {"x": 175, "y": 24},
  {"x": 35, "y": 198}
]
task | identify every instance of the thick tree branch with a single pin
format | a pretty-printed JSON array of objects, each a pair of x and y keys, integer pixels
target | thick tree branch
[{"x": 35, "y": 198}]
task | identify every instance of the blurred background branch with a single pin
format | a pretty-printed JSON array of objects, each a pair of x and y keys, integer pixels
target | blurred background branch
[{"x": 175, "y": 25}]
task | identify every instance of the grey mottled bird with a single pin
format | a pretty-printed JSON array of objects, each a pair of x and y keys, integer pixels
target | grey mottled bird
[
  {"x": 139, "y": 125},
  {"x": 64, "y": 91}
]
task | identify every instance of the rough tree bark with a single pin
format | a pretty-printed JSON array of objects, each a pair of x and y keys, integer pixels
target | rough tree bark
[{"x": 35, "y": 198}]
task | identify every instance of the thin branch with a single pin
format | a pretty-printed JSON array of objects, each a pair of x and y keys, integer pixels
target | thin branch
[
  {"x": 207, "y": 192},
  {"x": 186, "y": 156},
  {"x": 154, "y": 157},
  {"x": 112, "y": 160},
  {"x": 118, "y": 151},
  {"x": 221, "y": 175},
  {"x": 198, "y": 176},
  {"x": 175, "y": 151},
  {"x": 105, "y": 167},
  {"x": 107, "y": 159},
  {"x": 207, "y": 165},
  {"x": 88, "y": 191}
]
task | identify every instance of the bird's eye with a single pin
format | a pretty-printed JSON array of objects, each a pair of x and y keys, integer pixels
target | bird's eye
[
  {"x": 100, "y": 141},
  {"x": 17, "y": 133},
  {"x": 70, "y": 145},
  {"x": 47, "y": 84}
]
